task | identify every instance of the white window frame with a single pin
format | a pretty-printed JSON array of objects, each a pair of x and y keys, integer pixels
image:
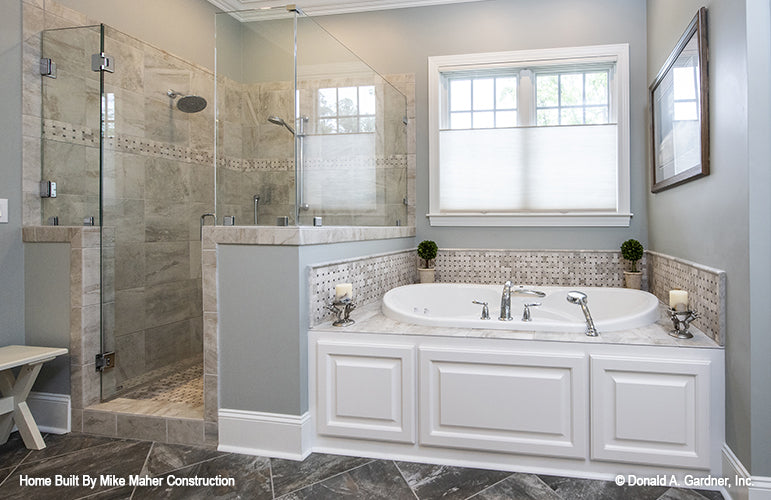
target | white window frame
[{"x": 617, "y": 53}]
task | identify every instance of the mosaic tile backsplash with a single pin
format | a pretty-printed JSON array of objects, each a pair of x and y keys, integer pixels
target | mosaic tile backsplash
[
  {"x": 532, "y": 267},
  {"x": 706, "y": 290},
  {"x": 373, "y": 276}
]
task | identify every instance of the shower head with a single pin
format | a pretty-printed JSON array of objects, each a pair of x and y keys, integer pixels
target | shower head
[
  {"x": 576, "y": 297},
  {"x": 275, "y": 120},
  {"x": 187, "y": 103}
]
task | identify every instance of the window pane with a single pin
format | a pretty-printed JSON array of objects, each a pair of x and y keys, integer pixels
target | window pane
[
  {"x": 506, "y": 119},
  {"x": 367, "y": 124},
  {"x": 460, "y": 120},
  {"x": 327, "y": 102},
  {"x": 327, "y": 126},
  {"x": 597, "y": 88},
  {"x": 572, "y": 89},
  {"x": 571, "y": 116},
  {"x": 484, "y": 93},
  {"x": 506, "y": 93},
  {"x": 596, "y": 115},
  {"x": 460, "y": 95},
  {"x": 548, "y": 117},
  {"x": 367, "y": 100},
  {"x": 485, "y": 119},
  {"x": 348, "y": 125},
  {"x": 347, "y": 101},
  {"x": 546, "y": 88}
]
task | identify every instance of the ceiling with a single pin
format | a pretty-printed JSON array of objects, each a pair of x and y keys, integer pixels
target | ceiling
[{"x": 321, "y": 7}]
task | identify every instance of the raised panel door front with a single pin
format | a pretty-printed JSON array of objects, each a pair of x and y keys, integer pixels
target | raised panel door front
[
  {"x": 650, "y": 411},
  {"x": 505, "y": 402},
  {"x": 366, "y": 391}
]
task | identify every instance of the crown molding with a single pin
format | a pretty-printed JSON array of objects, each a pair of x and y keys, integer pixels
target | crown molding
[{"x": 253, "y": 10}]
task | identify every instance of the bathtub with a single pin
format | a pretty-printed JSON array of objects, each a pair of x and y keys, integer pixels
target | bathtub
[{"x": 450, "y": 305}]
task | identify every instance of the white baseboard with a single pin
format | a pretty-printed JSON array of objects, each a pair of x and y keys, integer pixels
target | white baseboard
[
  {"x": 51, "y": 412},
  {"x": 743, "y": 485},
  {"x": 265, "y": 434}
]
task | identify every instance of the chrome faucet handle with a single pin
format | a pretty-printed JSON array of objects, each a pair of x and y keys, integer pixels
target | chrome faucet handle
[
  {"x": 526, "y": 312},
  {"x": 485, "y": 310}
]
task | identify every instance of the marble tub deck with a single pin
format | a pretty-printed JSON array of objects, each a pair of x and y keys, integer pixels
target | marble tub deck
[
  {"x": 317, "y": 477},
  {"x": 370, "y": 319}
]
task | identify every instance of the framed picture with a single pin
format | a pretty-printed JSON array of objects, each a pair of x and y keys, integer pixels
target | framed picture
[{"x": 679, "y": 105}]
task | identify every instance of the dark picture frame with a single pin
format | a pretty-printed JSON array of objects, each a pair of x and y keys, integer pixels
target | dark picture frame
[{"x": 679, "y": 111}]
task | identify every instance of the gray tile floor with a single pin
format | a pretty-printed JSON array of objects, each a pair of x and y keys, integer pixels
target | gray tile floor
[{"x": 73, "y": 456}]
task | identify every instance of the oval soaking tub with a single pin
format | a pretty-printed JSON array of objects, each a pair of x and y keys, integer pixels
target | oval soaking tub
[{"x": 450, "y": 305}]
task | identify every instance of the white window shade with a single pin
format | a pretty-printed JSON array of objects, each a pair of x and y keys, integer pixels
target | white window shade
[{"x": 529, "y": 169}]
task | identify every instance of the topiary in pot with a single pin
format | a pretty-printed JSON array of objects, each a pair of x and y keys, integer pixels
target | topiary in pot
[
  {"x": 632, "y": 250},
  {"x": 427, "y": 251}
]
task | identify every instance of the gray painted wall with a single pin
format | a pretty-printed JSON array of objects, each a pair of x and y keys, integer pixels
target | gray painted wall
[
  {"x": 47, "y": 309},
  {"x": 262, "y": 333},
  {"x": 11, "y": 248},
  {"x": 759, "y": 152},
  {"x": 401, "y": 40},
  {"x": 723, "y": 220},
  {"x": 184, "y": 28}
]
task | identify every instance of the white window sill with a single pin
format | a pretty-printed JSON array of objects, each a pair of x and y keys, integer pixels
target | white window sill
[{"x": 531, "y": 220}]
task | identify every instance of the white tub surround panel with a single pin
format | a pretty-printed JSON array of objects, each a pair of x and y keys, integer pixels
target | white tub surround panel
[
  {"x": 650, "y": 410},
  {"x": 385, "y": 412},
  {"x": 500, "y": 401},
  {"x": 522, "y": 405}
]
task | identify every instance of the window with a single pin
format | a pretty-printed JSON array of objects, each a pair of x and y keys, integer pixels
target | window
[
  {"x": 483, "y": 102},
  {"x": 346, "y": 110},
  {"x": 575, "y": 98},
  {"x": 534, "y": 138}
]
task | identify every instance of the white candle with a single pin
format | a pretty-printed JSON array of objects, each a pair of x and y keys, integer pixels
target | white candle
[
  {"x": 678, "y": 300},
  {"x": 344, "y": 291}
]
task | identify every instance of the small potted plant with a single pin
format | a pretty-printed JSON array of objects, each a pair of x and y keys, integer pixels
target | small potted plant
[
  {"x": 427, "y": 252},
  {"x": 632, "y": 250}
]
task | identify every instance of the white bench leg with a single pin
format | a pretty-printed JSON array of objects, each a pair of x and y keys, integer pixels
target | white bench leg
[{"x": 21, "y": 415}]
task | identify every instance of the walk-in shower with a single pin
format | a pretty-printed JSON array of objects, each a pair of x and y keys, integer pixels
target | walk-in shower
[
  {"x": 145, "y": 174},
  {"x": 136, "y": 150}
]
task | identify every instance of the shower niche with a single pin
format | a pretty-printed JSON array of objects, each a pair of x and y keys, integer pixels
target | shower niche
[{"x": 305, "y": 128}]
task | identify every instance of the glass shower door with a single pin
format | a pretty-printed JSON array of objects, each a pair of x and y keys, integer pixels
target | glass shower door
[
  {"x": 157, "y": 180},
  {"x": 70, "y": 126}
]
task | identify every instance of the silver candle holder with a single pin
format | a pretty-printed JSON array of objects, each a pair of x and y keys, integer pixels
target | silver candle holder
[
  {"x": 342, "y": 309},
  {"x": 681, "y": 320}
]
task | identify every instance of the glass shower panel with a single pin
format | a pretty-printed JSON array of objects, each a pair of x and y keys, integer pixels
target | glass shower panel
[
  {"x": 70, "y": 126},
  {"x": 353, "y": 155},
  {"x": 255, "y": 116},
  {"x": 157, "y": 181}
]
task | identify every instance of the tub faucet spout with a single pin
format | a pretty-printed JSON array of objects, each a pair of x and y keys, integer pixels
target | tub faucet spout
[{"x": 506, "y": 302}]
